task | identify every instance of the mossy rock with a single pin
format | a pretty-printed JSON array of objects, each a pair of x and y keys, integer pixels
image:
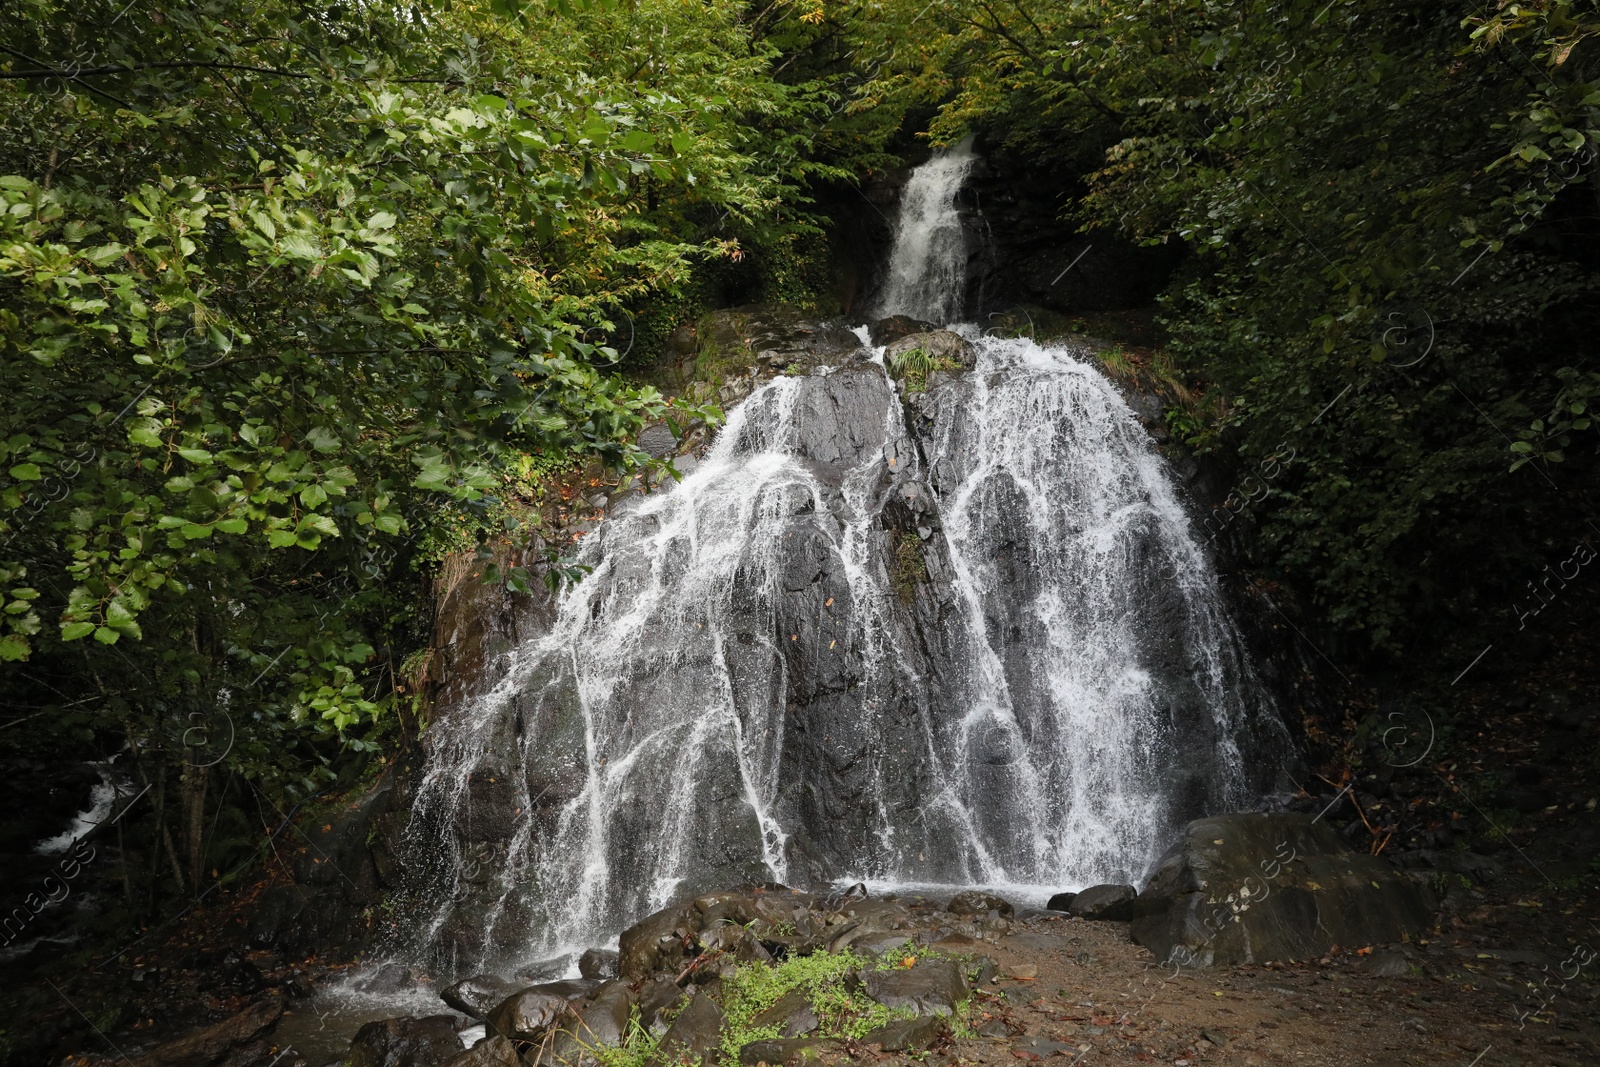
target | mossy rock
[{"x": 777, "y": 337}]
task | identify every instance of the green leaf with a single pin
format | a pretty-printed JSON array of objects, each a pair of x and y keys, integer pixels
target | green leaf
[
  {"x": 72, "y": 631},
  {"x": 25, "y": 472}
]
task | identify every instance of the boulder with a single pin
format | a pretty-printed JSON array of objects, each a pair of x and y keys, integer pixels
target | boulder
[
  {"x": 528, "y": 1013},
  {"x": 1259, "y": 888},
  {"x": 492, "y": 1051},
  {"x": 786, "y": 1052},
  {"x": 932, "y": 987},
  {"x": 976, "y": 903},
  {"x": 863, "y": 919},
  {"x": 205, "y": 1047},
  {"x": 598, "y": 963},
  {"x": 1113, "y": 903},
  {"x": 1061, "y": 902},
  {"x": 792, "y": 1014},
  {"x": 888, "y": 331},
  {"x": 598, "y": 1021},
  {"x": 479, "y": 995},
  {"x": 692, "y": 1035},
  {"x": 405, "y": 1042},
  {"x": 945, "y": 347},
  {"x": 657, "y": 439},
  {"x": 656, "y": 943},
  {"x": 906, "y": 1034},
  {"x": 653, "y": 1001}
]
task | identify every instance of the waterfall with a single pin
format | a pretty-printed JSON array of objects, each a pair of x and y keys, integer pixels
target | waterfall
[
  {"x": 928, "y": 263},
  {"x": 965, "y": 636}
]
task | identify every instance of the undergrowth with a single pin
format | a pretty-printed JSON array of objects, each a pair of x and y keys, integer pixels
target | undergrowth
[
  {"x": 914, "y": 365},
  {"x": 842, "y": 1012}
]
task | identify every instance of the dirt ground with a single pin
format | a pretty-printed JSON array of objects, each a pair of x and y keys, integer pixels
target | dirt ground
[{"x": 1457, "y": 1000}]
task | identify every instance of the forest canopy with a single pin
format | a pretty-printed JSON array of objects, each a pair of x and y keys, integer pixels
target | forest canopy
[{"x": 297, "y": 298}]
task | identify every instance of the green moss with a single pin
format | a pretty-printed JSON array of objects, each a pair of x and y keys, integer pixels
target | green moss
[
  {"x": 914, "y": 365},
  {"x": 910, "y": 567}
]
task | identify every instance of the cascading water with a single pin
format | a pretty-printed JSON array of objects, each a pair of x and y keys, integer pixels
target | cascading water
[
  {"x": 927, "y": 267},
  {"x": 961, "y": 636}
]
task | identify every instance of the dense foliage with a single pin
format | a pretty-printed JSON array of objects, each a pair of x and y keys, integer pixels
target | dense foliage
[
  {"x": 291, "y": 295},
  {"x": 1394, "y": 282},
  {"x": 295, "y": 297}
]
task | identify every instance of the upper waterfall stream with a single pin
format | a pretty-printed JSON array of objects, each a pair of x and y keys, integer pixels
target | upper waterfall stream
[{"x": 961, "y": 636}]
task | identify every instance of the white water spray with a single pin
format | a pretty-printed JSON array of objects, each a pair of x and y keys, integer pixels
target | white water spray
[{"x": 928, "y": 263}]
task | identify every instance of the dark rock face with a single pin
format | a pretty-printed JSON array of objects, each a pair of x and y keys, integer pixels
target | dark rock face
[
  {"x": 209, "y": 1046},
  {"x": 405, "y": 1042},
  {"x": 692, "y": 1035},
  {"x": 479, "y": 995},
  {"x": 974, "y": 902},
  {"x": 835, "y": 651},
  {"x": 1114, "y": 903},
  {"x": 1261, "y": 888},
  {"x": 888, "y": 331},
  {"x": 930, "y": 988}
]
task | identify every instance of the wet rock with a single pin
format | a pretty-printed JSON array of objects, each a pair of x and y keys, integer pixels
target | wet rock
[
  {"x": 492, "y": 1051},
  {"x": 389, "y": 978},
  {"x": 942, "y": 345},
  {"x": 1272, "y": 887},
  {"x": 974, "y": 902},
  {"x": 479, "y": 995},
  {"x": 1061, "y": 902},
  {"x": 598, "y": 963},
  {"x": 880, "y": 944},
  {"x": 888, "y": 331},
  {"x": 598, "y": 1021},
  {"x": 528, "y": 1013},
  {"x": 405, "y": 1042},
  {"x": 692, "y": 1035},
  {"x": 788, "y": 1052},
  {"x": 276, "y": 914},
  {"x": 932, "y": 987},
  {"x": 654, "y": 999},
  {"x": 242, "y": 978},
  {"x": 906, "y": 1034},
  {"x": 206, "y": 1047},
  {"x": 657, "y": 439},
  {"x": 866, "y": 920},
  {"x": 792, "y": 1015},
  {"x": 1114, "y": 903},
  {"x": 656, "y": 943}
]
